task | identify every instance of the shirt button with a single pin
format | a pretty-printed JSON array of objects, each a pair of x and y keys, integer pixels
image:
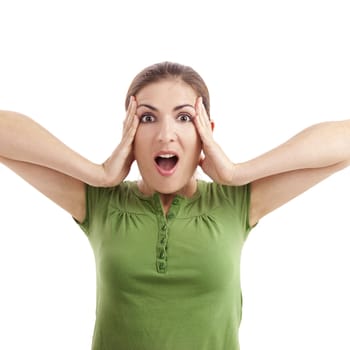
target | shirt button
[{"x": 161, "y": 266}]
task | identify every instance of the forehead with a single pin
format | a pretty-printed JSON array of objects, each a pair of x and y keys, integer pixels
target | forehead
[{"x": 172, "y": 91}]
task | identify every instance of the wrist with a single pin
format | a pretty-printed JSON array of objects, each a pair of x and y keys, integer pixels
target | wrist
[
  {"x": 93, "y": 174},
  {"x": 99, "y": 178},
  {"x": 240, "y": 174}
]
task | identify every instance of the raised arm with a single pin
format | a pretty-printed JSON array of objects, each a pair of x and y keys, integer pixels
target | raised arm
[
  {"x": 298, "y": 164},
  {"x": 22, "y": 139},
  {"x": 318, "y": 146},
  {"x": 284, "y": 172},
  {"x": 53, "y": 168},
  {"x": 46, "y": 163}
]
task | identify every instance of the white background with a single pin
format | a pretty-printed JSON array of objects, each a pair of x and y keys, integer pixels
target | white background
[{"x": 273, "y": 68}]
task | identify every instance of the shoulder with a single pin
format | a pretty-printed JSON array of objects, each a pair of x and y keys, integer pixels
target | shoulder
[
  {"x": 229, "y": 204},
  {"x": 123, "y": 189},
  {"x": 213, "y": 190}
]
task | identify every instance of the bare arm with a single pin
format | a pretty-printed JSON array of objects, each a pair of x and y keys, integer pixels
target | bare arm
[
  {"x": 284, "y": 172},
  {"x": 269, "y": 193},
  {"x": 54, "y": 169},
  {"x": 290, "y": 169},
  {"x": 46, "y": 163},
  {"x": 318, "y": 146},
  {"x": 64, "y": 190},
  {"x": 22, "y": 139}
]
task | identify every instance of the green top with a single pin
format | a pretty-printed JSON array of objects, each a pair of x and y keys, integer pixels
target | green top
[{"x": 167, "y": 282}]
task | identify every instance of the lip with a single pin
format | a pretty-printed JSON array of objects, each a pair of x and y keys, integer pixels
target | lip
[{"x": 162, "y": 171}]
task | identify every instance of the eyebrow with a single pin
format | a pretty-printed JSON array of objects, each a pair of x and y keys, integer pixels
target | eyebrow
[{"x": 156, "y": 110}]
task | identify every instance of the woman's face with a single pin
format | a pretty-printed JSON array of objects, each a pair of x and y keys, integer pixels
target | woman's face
[{"x": 166, "y": 146}]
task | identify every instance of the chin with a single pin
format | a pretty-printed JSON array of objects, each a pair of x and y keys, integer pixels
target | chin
[
  {"x": 173, "y": 186},
  {"x": 179, "y": 182},
  {"x": 168, "y": 188}
]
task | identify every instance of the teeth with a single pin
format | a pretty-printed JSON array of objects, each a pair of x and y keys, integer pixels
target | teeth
[{"x": 167, "y": 155}]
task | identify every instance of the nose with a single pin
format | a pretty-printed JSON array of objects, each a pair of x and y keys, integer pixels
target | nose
[{"x": 166, "y": 131}]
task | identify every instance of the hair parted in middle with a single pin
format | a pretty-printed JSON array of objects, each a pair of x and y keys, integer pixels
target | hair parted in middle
[{"x": 167, "y": 70}]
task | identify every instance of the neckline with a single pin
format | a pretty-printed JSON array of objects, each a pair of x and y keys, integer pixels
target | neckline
[{"x": 134, "y": 187}]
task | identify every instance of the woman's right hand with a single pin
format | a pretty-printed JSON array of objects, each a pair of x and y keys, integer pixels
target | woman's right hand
[{"x": 118, "y": 165}]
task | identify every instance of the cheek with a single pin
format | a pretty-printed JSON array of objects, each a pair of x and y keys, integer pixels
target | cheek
[
  {"x": 139, "y": 143},
  {"x": 137, "y": 137},
  {"x": 194, "y": 138},
  {"x": 194, "y": 144},
  {"x": 142, "y": 135}
]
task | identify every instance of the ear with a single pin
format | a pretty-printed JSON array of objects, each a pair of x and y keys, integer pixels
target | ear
[
  {"x": 201, "y": 159},
  {"x": 212, "y": 124}
]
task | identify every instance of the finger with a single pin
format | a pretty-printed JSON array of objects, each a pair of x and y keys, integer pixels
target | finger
[
  {"x": 130, "y": 133},
  {"x": 130, "y": 115},
  {"x": 129, "y": 110},
  {"x": 198, "y": 107},
  {"x": 202, "y": 122},
  {"x": 198, "y": 116},
  {"x": 203, "y": 112}
]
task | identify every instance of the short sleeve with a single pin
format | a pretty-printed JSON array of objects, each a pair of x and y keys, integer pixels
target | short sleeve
[
  {"x": 239, "y": 197},
  {"x": 97, "y": 202}
]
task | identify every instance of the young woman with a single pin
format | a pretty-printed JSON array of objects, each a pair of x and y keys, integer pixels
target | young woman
[{"x": 168, "y": 247}]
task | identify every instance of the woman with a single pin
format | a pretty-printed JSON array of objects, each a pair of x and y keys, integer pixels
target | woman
[{"x": 167, "y": 247}]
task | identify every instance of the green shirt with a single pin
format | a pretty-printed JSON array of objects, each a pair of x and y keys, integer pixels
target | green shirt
[{"x": 167, "y": 282}]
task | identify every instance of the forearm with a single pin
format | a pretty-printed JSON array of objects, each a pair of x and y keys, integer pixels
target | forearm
[
  {"x": 318, "y": 146},
  {"x": 21, "y": 138}
]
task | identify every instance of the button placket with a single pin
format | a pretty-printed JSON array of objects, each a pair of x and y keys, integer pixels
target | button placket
[
  {"x": 163, "y": 236},
  {"x": 162, "y": 247}
]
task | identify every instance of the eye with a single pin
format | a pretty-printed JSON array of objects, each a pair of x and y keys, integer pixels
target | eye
[
  {"x": 147, "y": 118},
  {"x": 184, "y": 117}
]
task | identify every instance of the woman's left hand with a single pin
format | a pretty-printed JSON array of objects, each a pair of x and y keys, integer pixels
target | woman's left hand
[{"x": 214, "y": 161}]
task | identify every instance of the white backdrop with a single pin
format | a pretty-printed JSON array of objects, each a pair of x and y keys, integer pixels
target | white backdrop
[{"x": 273, "y": 68}]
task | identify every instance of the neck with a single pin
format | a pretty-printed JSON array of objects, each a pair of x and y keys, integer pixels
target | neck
[{"x": 166, "y": 198}]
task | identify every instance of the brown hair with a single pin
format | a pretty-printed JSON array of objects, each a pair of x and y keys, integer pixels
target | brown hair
[{"x": 166, "y": 70}]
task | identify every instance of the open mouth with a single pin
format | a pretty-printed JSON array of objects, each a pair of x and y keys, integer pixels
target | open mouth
[{"x": 166, "y": 163}]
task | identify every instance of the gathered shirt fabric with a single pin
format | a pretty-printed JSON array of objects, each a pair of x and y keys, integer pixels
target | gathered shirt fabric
[{"x": 167, "y": 282}]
